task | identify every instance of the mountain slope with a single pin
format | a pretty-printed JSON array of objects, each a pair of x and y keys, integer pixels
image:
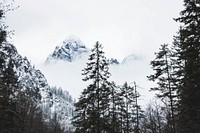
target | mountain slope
[
  {"x": 34, "y": 82},
  {"x": 70, "y": 50}
]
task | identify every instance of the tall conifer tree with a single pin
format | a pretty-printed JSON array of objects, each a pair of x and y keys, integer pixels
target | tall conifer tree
[
  {"x": 8, "y": 88},
  {"x": 8, "y": 84},
  {"x": 162, "y": 65},
  {"x": 93, "y": 105},
  {"x": 187, "y": 45},
  {"x": 115, "y": 101}
]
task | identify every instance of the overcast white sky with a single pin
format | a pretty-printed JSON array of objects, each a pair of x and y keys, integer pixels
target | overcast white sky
[{"x": 122, "y": 26}]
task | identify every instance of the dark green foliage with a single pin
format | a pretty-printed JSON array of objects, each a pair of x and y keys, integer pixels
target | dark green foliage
[
  {"x": 187, "y": 46},
  {"x": 163, "y": 67},
  {"x": 93, "y": 105},
  {"x": 114, "y": 108},
  {"x": 30, "y": 115},
  {"x": 178, "y": 72},
  {"x": 128, "y": 95},
  {"x": 8, "y": 87},
  {"x": 129, "y": 111}
]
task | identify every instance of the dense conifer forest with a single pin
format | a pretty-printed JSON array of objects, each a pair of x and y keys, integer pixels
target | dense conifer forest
[{"x": 29, "y": 105}]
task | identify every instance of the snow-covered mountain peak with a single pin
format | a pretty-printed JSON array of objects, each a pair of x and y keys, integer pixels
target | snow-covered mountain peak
[
  {"x": 71, "y": 49},
  {"x": 73, "y": 43}
]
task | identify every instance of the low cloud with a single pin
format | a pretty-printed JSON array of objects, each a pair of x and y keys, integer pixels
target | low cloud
[{"x": 68, "y": 76}]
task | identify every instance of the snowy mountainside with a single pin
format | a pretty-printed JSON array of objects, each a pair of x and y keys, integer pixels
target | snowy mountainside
[
  {"x": 61, "y": 108},
  {"x": 29, "y": 78},
  {"x": 70, "y": 50},
  {"x": 33, "y": 81}
]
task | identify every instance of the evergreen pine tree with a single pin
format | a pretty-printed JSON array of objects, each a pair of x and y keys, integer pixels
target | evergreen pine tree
[
  {"x": 162, "y": 65},
  {"x": 187, "y": 45},
  {"x": 93, "y": 108},
  {"x": 114, "y": 105},
  {"x": 128, "y": 95},
  {"x": 129, "y": 111},
  {"x": 121, "y": 111},
  {"x": 8, "y": 88}
]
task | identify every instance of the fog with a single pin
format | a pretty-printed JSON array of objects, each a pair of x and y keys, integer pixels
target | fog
[{"x": 67, "y": 75}]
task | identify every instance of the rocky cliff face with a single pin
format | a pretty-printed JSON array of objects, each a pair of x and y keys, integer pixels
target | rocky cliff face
[{"x": 71, "y": 49}]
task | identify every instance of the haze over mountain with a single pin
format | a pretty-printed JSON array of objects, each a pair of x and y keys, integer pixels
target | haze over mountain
[{"x": 64, "y": 66}]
